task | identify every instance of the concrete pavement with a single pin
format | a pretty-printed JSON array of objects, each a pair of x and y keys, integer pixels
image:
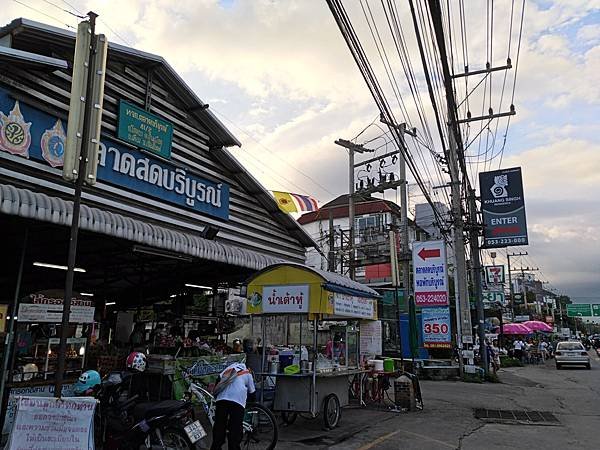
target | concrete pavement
[{"x": 448, "y": 421}]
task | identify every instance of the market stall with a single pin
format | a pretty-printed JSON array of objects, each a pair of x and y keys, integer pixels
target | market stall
[{"x": 309, "y": 346}]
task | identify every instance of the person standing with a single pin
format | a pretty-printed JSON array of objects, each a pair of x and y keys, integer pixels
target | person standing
[
  {"x": 518, "y": 347},
  {"x": 234, "y": 388}
]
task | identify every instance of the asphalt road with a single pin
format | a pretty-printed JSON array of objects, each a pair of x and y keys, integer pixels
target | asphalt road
[{"x": 448, "y": 421}]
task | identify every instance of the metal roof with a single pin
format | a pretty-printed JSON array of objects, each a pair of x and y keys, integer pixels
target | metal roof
[
  {"x": 331, "y": 278},
  {"x": 32, "y": 60},
  {"x": 220, "y": 135},
  {"x": 34, "y": 205}
]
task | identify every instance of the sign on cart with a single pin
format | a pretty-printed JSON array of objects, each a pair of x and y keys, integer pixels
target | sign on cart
[
  {"x": 430, "y": 273},
  {"x": 436, "y": 328},
  {"x": 285, "y": 299}
]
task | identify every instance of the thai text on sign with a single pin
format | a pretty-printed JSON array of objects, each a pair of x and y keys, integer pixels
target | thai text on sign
[
  {"x": 285, "y": 299},
  {"x": 430, "y": 273}
]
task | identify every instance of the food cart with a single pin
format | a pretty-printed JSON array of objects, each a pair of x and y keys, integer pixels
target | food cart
[{"x": 332, "y": 306}]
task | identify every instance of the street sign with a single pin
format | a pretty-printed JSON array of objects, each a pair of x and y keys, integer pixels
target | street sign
[
  {"x": 503, "y": 208},
  {"x": 522, "y": 318},
  {"x": 596, "y": 310},
  {"x": 436, "y": 328},
  {"x": 579, "y": 310},
  {"x": 494, "y": 274},
  {"x": 430, "y": 273}
]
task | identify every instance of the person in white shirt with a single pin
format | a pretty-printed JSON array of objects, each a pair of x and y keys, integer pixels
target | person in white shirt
[
  {"x": 518, "y": 347},
  {"x": 234, "y": 388}
]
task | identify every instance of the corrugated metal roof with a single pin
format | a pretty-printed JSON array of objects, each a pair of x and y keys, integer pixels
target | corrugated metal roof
[
  {"x": 220, "y": 135},
  {"x": 33, "y": 205}
]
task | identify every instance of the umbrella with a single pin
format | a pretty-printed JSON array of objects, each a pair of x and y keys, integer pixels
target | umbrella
[
  {"x": 515, "y": 328},
  {"x": 536, "y": 325}
]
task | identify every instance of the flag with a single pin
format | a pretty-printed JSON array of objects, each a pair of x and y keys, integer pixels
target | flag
[{"x": 289, "y": 202}]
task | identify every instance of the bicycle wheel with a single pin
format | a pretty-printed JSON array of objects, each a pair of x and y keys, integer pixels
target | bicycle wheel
[
  {"x": 260, "y": 428},
  {"x": 332, "y": 411}
]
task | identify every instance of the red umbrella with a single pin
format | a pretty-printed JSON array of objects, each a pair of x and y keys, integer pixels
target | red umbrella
[
  {"x": 536, "y": 325},
  {"x": 515, "y": 328}
]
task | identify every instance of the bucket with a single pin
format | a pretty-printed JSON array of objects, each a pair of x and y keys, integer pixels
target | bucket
[
  {"x": 378, "y": 365},
  {"x": 388, "y": 365}
]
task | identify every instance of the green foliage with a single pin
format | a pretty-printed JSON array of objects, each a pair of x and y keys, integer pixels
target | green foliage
[{"x": 507, "y": 361}]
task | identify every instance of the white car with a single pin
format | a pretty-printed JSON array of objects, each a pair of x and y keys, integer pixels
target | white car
[{"x": 571, "y": 354}]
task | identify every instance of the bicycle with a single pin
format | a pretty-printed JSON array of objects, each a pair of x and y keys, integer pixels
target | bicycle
[{"x": 260, "y": 427}]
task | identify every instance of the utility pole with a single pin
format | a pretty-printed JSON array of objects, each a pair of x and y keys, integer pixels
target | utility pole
[
  {"x": 476, "y": 262},
  {"x": 331, "y": 265},
  {"x": 351, "y": 147},
  {"x": 510, "y": 285}
]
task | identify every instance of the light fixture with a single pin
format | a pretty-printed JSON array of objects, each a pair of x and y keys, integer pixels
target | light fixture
[
  {"x": 81, "y": 350},
  {"x": 110, "y": 303},
  {"x": 86, "y": 294},
  {"x": 197, "y": 286},
  {"x": 158, "y": 252},
  {"x": 173, "y": 295},
  {"x": 56, "y": 266}
]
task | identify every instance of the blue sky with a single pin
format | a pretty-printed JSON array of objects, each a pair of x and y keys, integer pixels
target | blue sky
[{"x": 285, "y": 83}]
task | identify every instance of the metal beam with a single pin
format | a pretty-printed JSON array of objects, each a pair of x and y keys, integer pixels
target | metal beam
[
  {"x": 488, "y": 69},
  {"x": 512, "y": 112}
]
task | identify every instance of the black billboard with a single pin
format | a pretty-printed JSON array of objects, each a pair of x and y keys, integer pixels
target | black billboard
[{"x": 503, "y": 208}]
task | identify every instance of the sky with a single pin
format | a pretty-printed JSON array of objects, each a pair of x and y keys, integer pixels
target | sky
[{"x": 279, "y": 75}]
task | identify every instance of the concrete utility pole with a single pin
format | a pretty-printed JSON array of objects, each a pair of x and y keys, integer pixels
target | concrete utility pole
[
  {"x": 351, "y": 147},
  {"x": 331, "y": 265},
  {"x": 476, "y": 262}
]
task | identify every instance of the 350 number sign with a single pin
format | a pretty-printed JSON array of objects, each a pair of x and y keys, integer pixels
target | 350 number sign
[{"x": 436, "y": 328}]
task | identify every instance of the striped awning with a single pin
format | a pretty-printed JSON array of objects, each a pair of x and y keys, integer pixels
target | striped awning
[{"x": 37, "y": 206}]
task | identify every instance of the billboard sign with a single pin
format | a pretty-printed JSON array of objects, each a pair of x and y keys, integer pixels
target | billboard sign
[
  {"x": 503, "y": 208},
  {"x": 430, "y": 273},
  {"x": 494, "y": 274},
  {"x": 436, "y": 328},
  {"x": 493, "y": 298}
]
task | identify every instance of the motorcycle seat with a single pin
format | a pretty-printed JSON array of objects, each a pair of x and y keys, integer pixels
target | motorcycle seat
[{"x": 153, "y": 409}]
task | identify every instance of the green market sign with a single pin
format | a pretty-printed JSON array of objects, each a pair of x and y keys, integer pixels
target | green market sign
[
  {"x": 491, "y": 298},
  {"x": 145, "y": 130}
]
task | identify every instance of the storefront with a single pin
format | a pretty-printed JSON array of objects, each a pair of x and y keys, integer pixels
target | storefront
[
  {"x": 310, "y": 344},
  {"x": 170, "y": 230}
]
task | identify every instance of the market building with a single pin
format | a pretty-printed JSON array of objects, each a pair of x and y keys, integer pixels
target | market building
[{"x": 176, "y": 223}]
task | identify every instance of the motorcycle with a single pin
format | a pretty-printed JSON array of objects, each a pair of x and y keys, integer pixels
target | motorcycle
[{"x": 128, "y": 423}]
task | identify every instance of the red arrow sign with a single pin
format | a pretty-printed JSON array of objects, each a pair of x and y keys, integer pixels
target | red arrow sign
[{"x": 424, "y": 254}]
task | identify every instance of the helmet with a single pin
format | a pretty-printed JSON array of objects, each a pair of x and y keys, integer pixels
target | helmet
[
  {"x": 86, "y": 382},
  {"x": 136, "y": 361}
]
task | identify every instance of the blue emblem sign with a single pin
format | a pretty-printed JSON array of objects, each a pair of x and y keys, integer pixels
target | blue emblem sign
[{"x": 118, "y": 165}]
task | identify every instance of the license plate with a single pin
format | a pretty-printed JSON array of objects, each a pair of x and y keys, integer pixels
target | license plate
[{"x": 195, "y": 431}]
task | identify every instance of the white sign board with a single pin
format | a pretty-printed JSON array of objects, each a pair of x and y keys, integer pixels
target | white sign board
[
  {"x": 494, "y": 274},
  {"x": 31, "y": 391},
  {"x": 285, "y": 299},
  {"x": 430, "y": 273},
  {"x": 370, "y": 337},
  {"x": 351, "y": 306},
  {"x": 44, "y": 308},
  {"x": 52, "y": 423}
]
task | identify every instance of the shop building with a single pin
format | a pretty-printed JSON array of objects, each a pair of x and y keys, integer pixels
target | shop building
[{"x": 166, "y": 220}]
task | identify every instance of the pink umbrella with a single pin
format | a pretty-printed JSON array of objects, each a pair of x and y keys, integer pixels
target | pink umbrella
[
  {"x": 515, "y": 328},
  {"x": 536, "y": 325}
]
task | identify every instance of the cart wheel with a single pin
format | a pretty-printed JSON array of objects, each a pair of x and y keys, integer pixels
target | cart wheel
[
  {"x": 332, "y": 412},
  {"x": 289, "y": 417}
]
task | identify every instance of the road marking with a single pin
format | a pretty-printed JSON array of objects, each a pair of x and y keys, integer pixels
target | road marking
[{"x": 385, "y": 437}]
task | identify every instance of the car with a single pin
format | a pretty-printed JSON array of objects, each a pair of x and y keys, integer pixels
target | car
[{"x": 571, "y": 354}]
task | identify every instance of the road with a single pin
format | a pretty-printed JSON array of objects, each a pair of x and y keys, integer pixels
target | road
[{"x": 448, "y": 421}]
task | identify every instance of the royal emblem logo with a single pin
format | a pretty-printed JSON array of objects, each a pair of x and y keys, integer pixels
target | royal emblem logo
[
  {"x": 15, "y": 136},
  {"x": 498, "y": 190},
  {"x": 53, "y": 144}
]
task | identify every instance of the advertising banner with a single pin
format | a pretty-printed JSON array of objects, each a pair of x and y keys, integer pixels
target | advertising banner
[
  {"x": 47, "y": 307},
  {"x": 430, "y": 273},
  {"x": 285, "y": 299},
  {"x": 503, "y": 208},
  {"x": 436, "y": 328},
  {"x": 494, "y": 274},
  {"x": 44, "y": 423},
  {"x": 352, "y": 306}
]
